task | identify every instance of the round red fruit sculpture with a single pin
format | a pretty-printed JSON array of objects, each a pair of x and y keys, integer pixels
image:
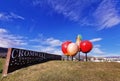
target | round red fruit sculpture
[
  {"x": 86, "y": 46},
  {"x": 72, "y": 49},
  {"x": 65, "y": 46}
]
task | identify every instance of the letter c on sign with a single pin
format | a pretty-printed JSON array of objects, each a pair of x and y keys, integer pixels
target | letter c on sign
[{"x": 15, "y": 53}]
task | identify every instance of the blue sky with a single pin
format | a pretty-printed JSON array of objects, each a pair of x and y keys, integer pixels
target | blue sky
[{"x": 42, "y": 25}]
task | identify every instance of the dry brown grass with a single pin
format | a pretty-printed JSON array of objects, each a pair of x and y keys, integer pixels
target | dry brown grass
[
  {"x": 2, "y": 61},
  {"x": 67, "y": 71}
]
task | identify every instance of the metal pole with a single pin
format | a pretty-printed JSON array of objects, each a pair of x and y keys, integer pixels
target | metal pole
[
  {"x": 72, "y": 58},
  {"x": 67, "y": 57},
  {"x": 86, "y": 57},
  {"x": 79, "y": 56}
]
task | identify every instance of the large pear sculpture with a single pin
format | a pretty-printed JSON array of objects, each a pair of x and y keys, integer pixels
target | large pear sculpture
[{"x": 78, "y": 41}]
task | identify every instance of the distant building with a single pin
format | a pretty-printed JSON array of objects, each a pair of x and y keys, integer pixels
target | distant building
[
  {"x": 106, "y": 59},
  {"x": 112, "y": 59},
  {"x": 3, "y": 52}
]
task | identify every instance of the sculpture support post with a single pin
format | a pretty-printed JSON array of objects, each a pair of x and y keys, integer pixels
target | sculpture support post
[
  {"x": 86, "y": 57},
  {"x": 67, "y": 57},
  {"x": 72, "y": 58},
  {"x": 79, "y": 56}
]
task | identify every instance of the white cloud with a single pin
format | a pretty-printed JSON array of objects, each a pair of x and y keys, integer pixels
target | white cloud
[
  {"x": 47, "y": 49},
  {"x": 49, "y": 45},
  {"x": 10, "y": 40},
  {"x": 3, "y": 31},
  {"x": 50, "y": 49},
  {"x": 4, "y": 17},
  {"x": 97, "y": 13},
  {"x": 10, "y": 16},
  {"x": 96, "y": 39},
  {"x": 97, "y": 46},
  {"x": 97, "y": 51},
  {"x": 15, "y": 16},
  {"x": 107, "y": 15},
  {"x": 47, "y": 41},
  {"x": 39, "y": 39},
  {"x": 71, "y": 9},
  {"x": 112, "y": 54},
  {"x": 53, "y": 42}
]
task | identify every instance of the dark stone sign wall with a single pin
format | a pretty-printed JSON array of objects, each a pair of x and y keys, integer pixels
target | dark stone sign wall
[{"x": 19, "y": 58}]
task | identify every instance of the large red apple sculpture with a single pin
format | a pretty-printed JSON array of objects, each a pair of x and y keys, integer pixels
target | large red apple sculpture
[
  {"x": 65, "y": 46},
  {"x": 86, "y": 46}
]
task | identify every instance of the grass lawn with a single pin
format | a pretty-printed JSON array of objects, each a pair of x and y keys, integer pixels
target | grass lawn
[
  {"x": 67, "y": 71},
  {"x": 2, "y": 61}
]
